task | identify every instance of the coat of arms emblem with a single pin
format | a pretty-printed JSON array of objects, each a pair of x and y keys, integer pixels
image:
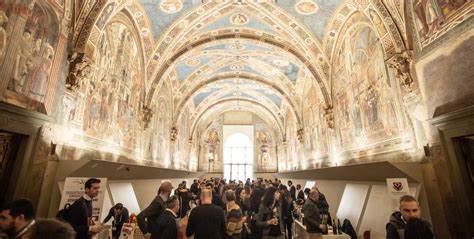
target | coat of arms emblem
[{"x": 398, "y": 186}]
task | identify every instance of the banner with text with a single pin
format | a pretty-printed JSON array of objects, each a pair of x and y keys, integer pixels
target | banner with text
[{"x": 74, "y": 189}]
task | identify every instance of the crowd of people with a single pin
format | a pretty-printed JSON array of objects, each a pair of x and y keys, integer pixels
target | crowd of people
[{"x": 209, "y": 209}]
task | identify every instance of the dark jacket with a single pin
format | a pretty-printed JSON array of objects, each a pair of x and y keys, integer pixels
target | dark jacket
[
  {"x": 395, "y": 227},
  {"x": 118, "y": 221},
  {"x": 300, "y": 195},
  {"x": 287, "y": 211},
  {"x": 168, "y": 228},
  {"x": 256, "y": 198},
  {"x": 216, "y": 200},
  {"x": 151, "y": 214},
  {"x": 293, "y": 192},
  {"x": 78, "y": 217},
  {"x": 184, "y": 199},
  {"x": 195, "y": 188},
  {"x": 206, "y": 221},
  {"x": 265, "y": 214},
  {"x": 322, "y": 204},
  {"x": 124, "y": 217},
  {"x": 312, "y": 219}
]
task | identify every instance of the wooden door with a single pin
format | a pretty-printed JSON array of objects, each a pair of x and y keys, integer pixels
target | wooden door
[{"x": 9, "y": 144}]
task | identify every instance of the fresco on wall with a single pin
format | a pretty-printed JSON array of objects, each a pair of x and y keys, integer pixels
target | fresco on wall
[
  {"x": 3, "y": 34},
  {"x": 210, "y": 159},
  {"x": 111, "y": 98},
  {"x": 366, "y": 109},
  {"x": 264, "y": 147},
  {"x": 33, "y": 63},
  {"x": 449, "y": 7},
  {"x": 105, "y": 15},
  {"x": 433, "y": 18},
  {"x": 182, "y": 146},
  {"x": 159, "y": 138},
  {"x": 315, "y": 132},
  {"x": 293, "y": 159},
  {"x": 427, "y": 17}
]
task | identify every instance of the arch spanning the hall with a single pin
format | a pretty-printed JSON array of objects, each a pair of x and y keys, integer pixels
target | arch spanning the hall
[
  {"x": 284, "y": 46},
  {"x": 244, "y": 76},
  {"x": 251, "y": 102}
]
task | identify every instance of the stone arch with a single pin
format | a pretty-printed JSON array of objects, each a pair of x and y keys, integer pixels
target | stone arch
[
  {"x": 86, "y": 22},
  {"x": 282, "y": 45},
  {"x": 125, "y": 17},
  {"x": 254, "y": 102},
  {"x": 392, "y": 41},
  {"x": 274, "y": 86}
]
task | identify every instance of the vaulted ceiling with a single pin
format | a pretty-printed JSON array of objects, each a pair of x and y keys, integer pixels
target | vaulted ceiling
[{"x": 255, "y": 56}]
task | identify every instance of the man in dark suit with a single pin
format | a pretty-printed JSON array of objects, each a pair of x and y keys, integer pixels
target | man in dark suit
[
  {"x": 299, "y": 192},
  {"x": 292, "y": 190},
  {"x": 120, "y": 214},
  {"x": 167, "y": 220},
  {"x": 153, "y": 211},
  {"x": 80, "y": 214},
  {"x": 312, "y": 220}
]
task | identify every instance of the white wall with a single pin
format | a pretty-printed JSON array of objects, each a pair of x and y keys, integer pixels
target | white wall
[{"x": 147, "y": 189}]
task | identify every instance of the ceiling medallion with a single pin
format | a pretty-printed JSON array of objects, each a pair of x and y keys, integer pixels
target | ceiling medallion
[
  {"x": 281, "y": 62},
  {"x": 236, "y": 67},
  {"x": 193, "y": 62},
  {"x": 171, "y": 6},
  {"x": 145, "y": 32},
  {"x": 239, "y": 19},
  {"x": 306, "y": 7},
  {"x": 237, "y": 46}
]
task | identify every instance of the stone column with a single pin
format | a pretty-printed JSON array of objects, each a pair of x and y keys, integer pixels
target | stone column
[{"x": 54, "y": 76}]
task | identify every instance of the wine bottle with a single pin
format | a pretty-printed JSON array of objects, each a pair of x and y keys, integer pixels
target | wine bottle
[
  {"x": 334, "y": 226},
  {"x": 325, "y": 222},
  {"x": 339, "y": 227}
]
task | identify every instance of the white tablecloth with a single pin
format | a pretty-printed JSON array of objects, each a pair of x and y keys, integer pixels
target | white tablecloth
[{"x": 300, "y": 233}]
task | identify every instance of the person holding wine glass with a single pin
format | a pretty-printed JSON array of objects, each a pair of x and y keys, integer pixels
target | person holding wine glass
[{"x": 269, "y": 217}]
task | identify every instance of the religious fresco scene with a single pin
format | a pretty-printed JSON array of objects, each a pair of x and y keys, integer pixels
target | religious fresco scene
[{"x": 323, "y": 83}]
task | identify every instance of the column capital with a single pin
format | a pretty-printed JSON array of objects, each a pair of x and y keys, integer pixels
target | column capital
[
  {"x": 173, "y": 134},
  {"x": 400, "y": 62},
  {"x": 80, "y": 68},
  {"x": 147, "y": 114}
]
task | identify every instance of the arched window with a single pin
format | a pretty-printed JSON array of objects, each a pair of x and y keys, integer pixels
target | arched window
[{"x": 238, "y": 157}]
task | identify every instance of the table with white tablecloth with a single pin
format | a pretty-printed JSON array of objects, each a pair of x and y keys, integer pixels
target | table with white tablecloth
[{"x": 300, "y": 233}]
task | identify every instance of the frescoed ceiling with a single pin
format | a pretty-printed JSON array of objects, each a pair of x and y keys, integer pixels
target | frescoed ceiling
[{"x": 223, "y": 53}]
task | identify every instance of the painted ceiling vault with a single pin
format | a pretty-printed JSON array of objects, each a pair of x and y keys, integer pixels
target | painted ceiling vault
[
  {"x": 266, "y": 57},
  {"x": 236, "y": 52}
]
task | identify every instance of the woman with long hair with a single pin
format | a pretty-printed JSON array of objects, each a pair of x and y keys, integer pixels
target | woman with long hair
[
  {"x": 269, "y": 217},
  {"x": 239, "y": 199}
]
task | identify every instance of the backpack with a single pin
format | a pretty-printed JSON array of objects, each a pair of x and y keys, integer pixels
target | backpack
[{"x": 63, "y": 214}]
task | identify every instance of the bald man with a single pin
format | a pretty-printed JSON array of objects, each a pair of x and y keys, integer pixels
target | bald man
[
  {"x": 207, "y": 220},
  {"x": 153, "y": 211},
  {"x": 312, "y": 220}
]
